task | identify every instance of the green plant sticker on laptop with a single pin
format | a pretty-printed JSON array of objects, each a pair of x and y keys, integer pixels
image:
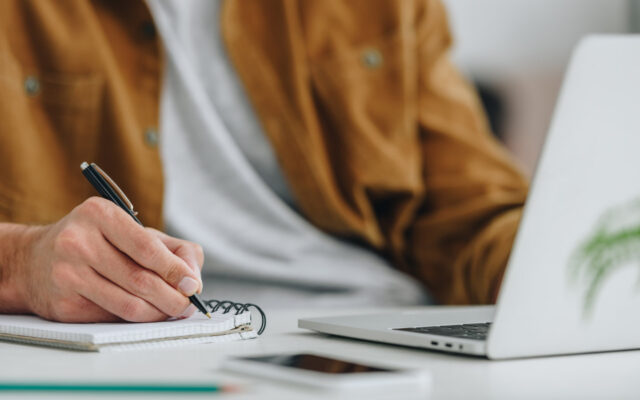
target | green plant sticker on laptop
[{"x": 614, "y": 243}]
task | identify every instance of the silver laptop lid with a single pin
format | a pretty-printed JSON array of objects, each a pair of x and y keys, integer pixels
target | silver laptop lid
[{"x": 573, "y": 280}]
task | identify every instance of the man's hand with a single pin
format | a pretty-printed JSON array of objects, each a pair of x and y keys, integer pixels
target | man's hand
[{"x": 97, "y": 264}]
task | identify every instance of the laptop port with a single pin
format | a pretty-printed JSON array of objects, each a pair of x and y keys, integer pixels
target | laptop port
[
  {"x": 449, "y": 345},
  {"x": 434, "y": 343}
]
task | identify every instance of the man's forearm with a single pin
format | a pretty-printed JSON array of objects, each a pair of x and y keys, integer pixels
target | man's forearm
[{"x": 15, "y": 243}]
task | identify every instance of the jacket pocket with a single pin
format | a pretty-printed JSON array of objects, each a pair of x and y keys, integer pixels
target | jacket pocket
[
  {"x": 371, "y": 82},
  {"x": 367, "y": 93},
  {"x": 72, "y": 104},
  {"x": 49, "y": 123}
]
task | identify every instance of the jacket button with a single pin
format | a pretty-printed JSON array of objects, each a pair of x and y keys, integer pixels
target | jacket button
[
  {"x": 151, "y": 138},
  {"x": 148, "y": 30},
  {"x": 32, "y": 85},
  {"x": 371, "y": 58}
]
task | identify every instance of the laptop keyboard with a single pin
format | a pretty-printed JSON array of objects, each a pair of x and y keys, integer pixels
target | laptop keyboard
[{"x": 464, "y": 331}]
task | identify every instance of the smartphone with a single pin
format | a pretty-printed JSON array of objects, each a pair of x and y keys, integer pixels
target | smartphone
[{"x": 329, "y": 373}]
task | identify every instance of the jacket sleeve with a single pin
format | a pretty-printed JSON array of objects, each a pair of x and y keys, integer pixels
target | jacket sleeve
[{"x": 460, "y": 240}]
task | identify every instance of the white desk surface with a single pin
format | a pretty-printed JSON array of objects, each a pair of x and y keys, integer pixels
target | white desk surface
[{"x": 597, "y": 376}]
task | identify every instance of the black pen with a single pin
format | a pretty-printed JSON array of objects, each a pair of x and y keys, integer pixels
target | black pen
[{"x": 111, "y": 191}]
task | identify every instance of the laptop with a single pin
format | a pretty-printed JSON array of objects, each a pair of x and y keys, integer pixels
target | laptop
[{"x": 572, "y": 283}]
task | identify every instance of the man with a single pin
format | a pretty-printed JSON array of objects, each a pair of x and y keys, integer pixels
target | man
[{"x": 325, "y": 144}]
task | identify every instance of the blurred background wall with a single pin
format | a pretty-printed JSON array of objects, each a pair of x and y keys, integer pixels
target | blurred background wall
[{"x": 517, "y": 51}]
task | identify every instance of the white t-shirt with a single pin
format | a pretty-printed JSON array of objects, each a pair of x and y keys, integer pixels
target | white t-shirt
[{"x": 224, "y": 188}]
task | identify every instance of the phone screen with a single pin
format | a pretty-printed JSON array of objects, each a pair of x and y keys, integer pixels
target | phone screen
[{"x": 312, "y": 362}]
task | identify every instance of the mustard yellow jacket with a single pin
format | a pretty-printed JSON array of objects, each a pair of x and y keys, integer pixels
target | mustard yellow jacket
[{"x": 382, "y": 141}]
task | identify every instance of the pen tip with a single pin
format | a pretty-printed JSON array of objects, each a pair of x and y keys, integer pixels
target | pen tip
[{"x": 208, "y": 315}]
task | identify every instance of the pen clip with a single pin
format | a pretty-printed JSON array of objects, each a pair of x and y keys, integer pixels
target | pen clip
[{"x": 115, "y": 187}]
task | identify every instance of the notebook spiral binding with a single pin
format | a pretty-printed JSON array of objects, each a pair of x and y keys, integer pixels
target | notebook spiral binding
[{"x": 228, "y": 306}]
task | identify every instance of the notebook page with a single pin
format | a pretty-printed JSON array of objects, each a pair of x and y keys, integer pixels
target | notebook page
[
  {"x": 114, "y": 333},
  {"x": 230, "y": 337}
]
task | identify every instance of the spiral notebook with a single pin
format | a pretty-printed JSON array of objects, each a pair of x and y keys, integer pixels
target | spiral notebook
[{"x": 229, "y": 321}]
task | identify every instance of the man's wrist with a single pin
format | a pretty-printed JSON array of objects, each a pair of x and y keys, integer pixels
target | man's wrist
[{"x": 16, "y": 243}]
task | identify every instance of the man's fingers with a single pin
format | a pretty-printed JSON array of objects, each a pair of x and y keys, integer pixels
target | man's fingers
[
  {"x": 139, "y": 281},
  {"x": 190, "y": 252},
  {"x": 148, "y": 250},
  {"x": 77, "y": 309},
  {"x": 93, "y": 312},
  {"x": 116, "y": 300},
  {"x": 89, "y": 311}
]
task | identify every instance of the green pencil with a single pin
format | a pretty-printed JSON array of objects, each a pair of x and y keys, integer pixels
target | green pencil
[{"x": 111, "y": 387}]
